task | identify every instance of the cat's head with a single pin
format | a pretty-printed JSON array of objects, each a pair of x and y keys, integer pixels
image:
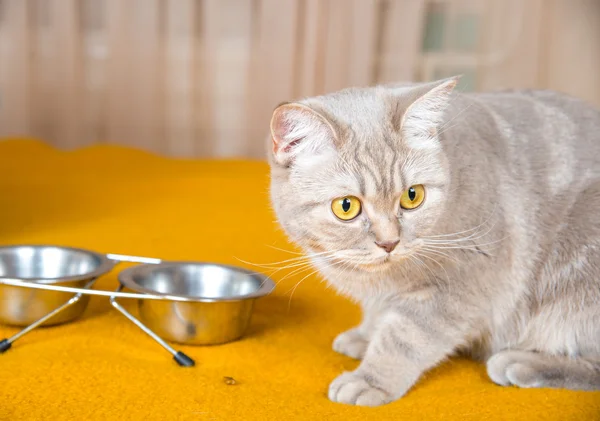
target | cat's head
[{"x": 359, "y": 176}]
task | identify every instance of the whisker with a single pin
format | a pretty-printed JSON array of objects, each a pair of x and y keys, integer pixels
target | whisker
[
  {"x": 295, "y": 287},
  {"x": 295, "y": 264},
  {"x": 475, "y": 236},
  {"x": 417, "y": 266},
  {"x": 464, "y": 231},
  {"x": 444, "y": 126},
  {"x": 465, "y": 247},
  {"x": 284, "y": 250},
  {"x": 460, "y": 242},
  {"x": 433, "y": 276},
  {"x": 302, "y": 280},
  {"x": 439, "y": 253},
  {"x": 273, "y": 271},
  {"x": 324, "y": 259},
  {"x": 437, "y": 263},
  {"x": 296, "y": 271},
  {"x": 293, "y": 259}
]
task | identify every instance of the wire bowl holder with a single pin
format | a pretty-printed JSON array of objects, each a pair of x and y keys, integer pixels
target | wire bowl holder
[{"x": 192, "y": 303}]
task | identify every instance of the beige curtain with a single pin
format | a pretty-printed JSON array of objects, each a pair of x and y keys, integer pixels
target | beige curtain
[{"x": 199, "y": 78}]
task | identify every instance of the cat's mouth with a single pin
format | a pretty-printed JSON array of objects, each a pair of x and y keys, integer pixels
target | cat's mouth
[
  {"x": 377, "y": 263},
  {"x": 381, "y": 262},
  {"x": 367, "y": 261},
  {"x": 361, "y": 262}
]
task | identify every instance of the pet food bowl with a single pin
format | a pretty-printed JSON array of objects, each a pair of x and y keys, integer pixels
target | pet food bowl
[
  {"x": 214, "y": 302},
  {"x": 51, "y": 265}
]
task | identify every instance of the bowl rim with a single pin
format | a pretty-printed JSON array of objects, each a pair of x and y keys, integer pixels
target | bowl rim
[
  {"x": 126, "y": 279},
  {"x": 105, "y": 266}
]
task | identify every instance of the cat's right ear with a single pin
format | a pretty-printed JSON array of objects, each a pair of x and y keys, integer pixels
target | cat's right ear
[{"x": 297, "y": 130}]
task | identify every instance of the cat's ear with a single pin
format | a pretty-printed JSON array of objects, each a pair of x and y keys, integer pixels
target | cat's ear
[
  {"x": 297, "y": 129},
  {"x": 427, "y": 104}
]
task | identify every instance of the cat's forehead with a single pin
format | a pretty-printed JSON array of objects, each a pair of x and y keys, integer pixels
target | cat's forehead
[
  {"x": 371, "y": 157},
  {"x": 371, "y": 172},
  {"x": 360, "y": 170},
  {"x": 358, "y": 112}
]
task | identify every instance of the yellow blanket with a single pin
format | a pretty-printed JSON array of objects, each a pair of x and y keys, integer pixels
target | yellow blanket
[{"x": 102, "y": 367}]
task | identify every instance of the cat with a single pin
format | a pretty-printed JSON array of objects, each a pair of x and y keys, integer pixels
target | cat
[{"x": 462, "y": 223}]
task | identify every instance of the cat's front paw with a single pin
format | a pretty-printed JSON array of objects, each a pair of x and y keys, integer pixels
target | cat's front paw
[
  {"x": 354, "y": 388},
  {"x": 351, "y": 343}
]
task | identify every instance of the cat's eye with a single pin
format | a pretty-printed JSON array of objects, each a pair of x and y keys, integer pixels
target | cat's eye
[
  {"x": 412, "y": 197},
  {"x": 346, "y": 208}
]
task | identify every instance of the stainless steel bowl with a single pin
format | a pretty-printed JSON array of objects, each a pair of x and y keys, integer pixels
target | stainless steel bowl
[
  {"x": 217, "y": 305},
  {"x": 64, "y": 266}
]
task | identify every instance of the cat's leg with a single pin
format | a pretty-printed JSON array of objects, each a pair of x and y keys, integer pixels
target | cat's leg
[
  {"x": 400, "y": 350},
  {"x": 532, "y": 369},
  {"x": 567, "y": 313},
  {"x": 353, "y": 343}
]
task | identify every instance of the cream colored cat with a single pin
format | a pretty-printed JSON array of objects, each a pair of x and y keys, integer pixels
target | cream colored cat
[{"x": 459, "y": 222}]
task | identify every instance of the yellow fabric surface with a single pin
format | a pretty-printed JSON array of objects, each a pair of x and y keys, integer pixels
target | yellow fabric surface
[{"x": 102, "y": 367}]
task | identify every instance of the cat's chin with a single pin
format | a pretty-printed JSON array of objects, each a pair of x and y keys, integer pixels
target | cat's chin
[{"x": 379, "y": 264}]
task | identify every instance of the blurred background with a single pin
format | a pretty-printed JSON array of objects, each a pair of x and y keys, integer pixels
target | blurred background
[{"x": 200, "y": 78}]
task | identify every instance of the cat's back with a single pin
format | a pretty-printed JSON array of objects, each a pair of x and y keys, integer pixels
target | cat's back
[
  {"x": 548, "y": 117},
  {"x": 541, "y": 127}
]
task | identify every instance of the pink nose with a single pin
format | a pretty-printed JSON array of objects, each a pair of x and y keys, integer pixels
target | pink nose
[{"x": 388, "y": 246}]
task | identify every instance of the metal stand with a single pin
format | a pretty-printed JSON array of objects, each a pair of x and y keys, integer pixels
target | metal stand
[
  {"x": 179, "y": 357},
  {"x": 6, "y": 344}
]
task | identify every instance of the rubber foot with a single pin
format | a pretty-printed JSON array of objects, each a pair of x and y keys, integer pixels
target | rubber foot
[
  {"x": 4, "y": 345},
  {"x": 183, "y": 360}
]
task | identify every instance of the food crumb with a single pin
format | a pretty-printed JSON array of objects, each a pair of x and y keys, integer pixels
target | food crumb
[{"x": 229, "y": 381}]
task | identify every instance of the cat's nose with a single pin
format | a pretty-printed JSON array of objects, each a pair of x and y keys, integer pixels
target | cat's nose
[{"x": 388, "y": 246}]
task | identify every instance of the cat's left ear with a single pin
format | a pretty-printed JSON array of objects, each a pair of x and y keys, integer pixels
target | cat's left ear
[
  {"x": 427, "y": 105},
  {"x": 299, "y": 131}
]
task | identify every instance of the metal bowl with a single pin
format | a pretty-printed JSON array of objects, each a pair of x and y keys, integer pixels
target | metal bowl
[
  {"x": 217, "y": 300},
  {"x": 64, "y": 266}
]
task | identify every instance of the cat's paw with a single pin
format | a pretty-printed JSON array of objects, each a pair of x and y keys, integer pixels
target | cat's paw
[
  {"x": 353, "y": 388},
  {"x": 516, "y": 368},
  {"x": 351, "y": 343}
]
